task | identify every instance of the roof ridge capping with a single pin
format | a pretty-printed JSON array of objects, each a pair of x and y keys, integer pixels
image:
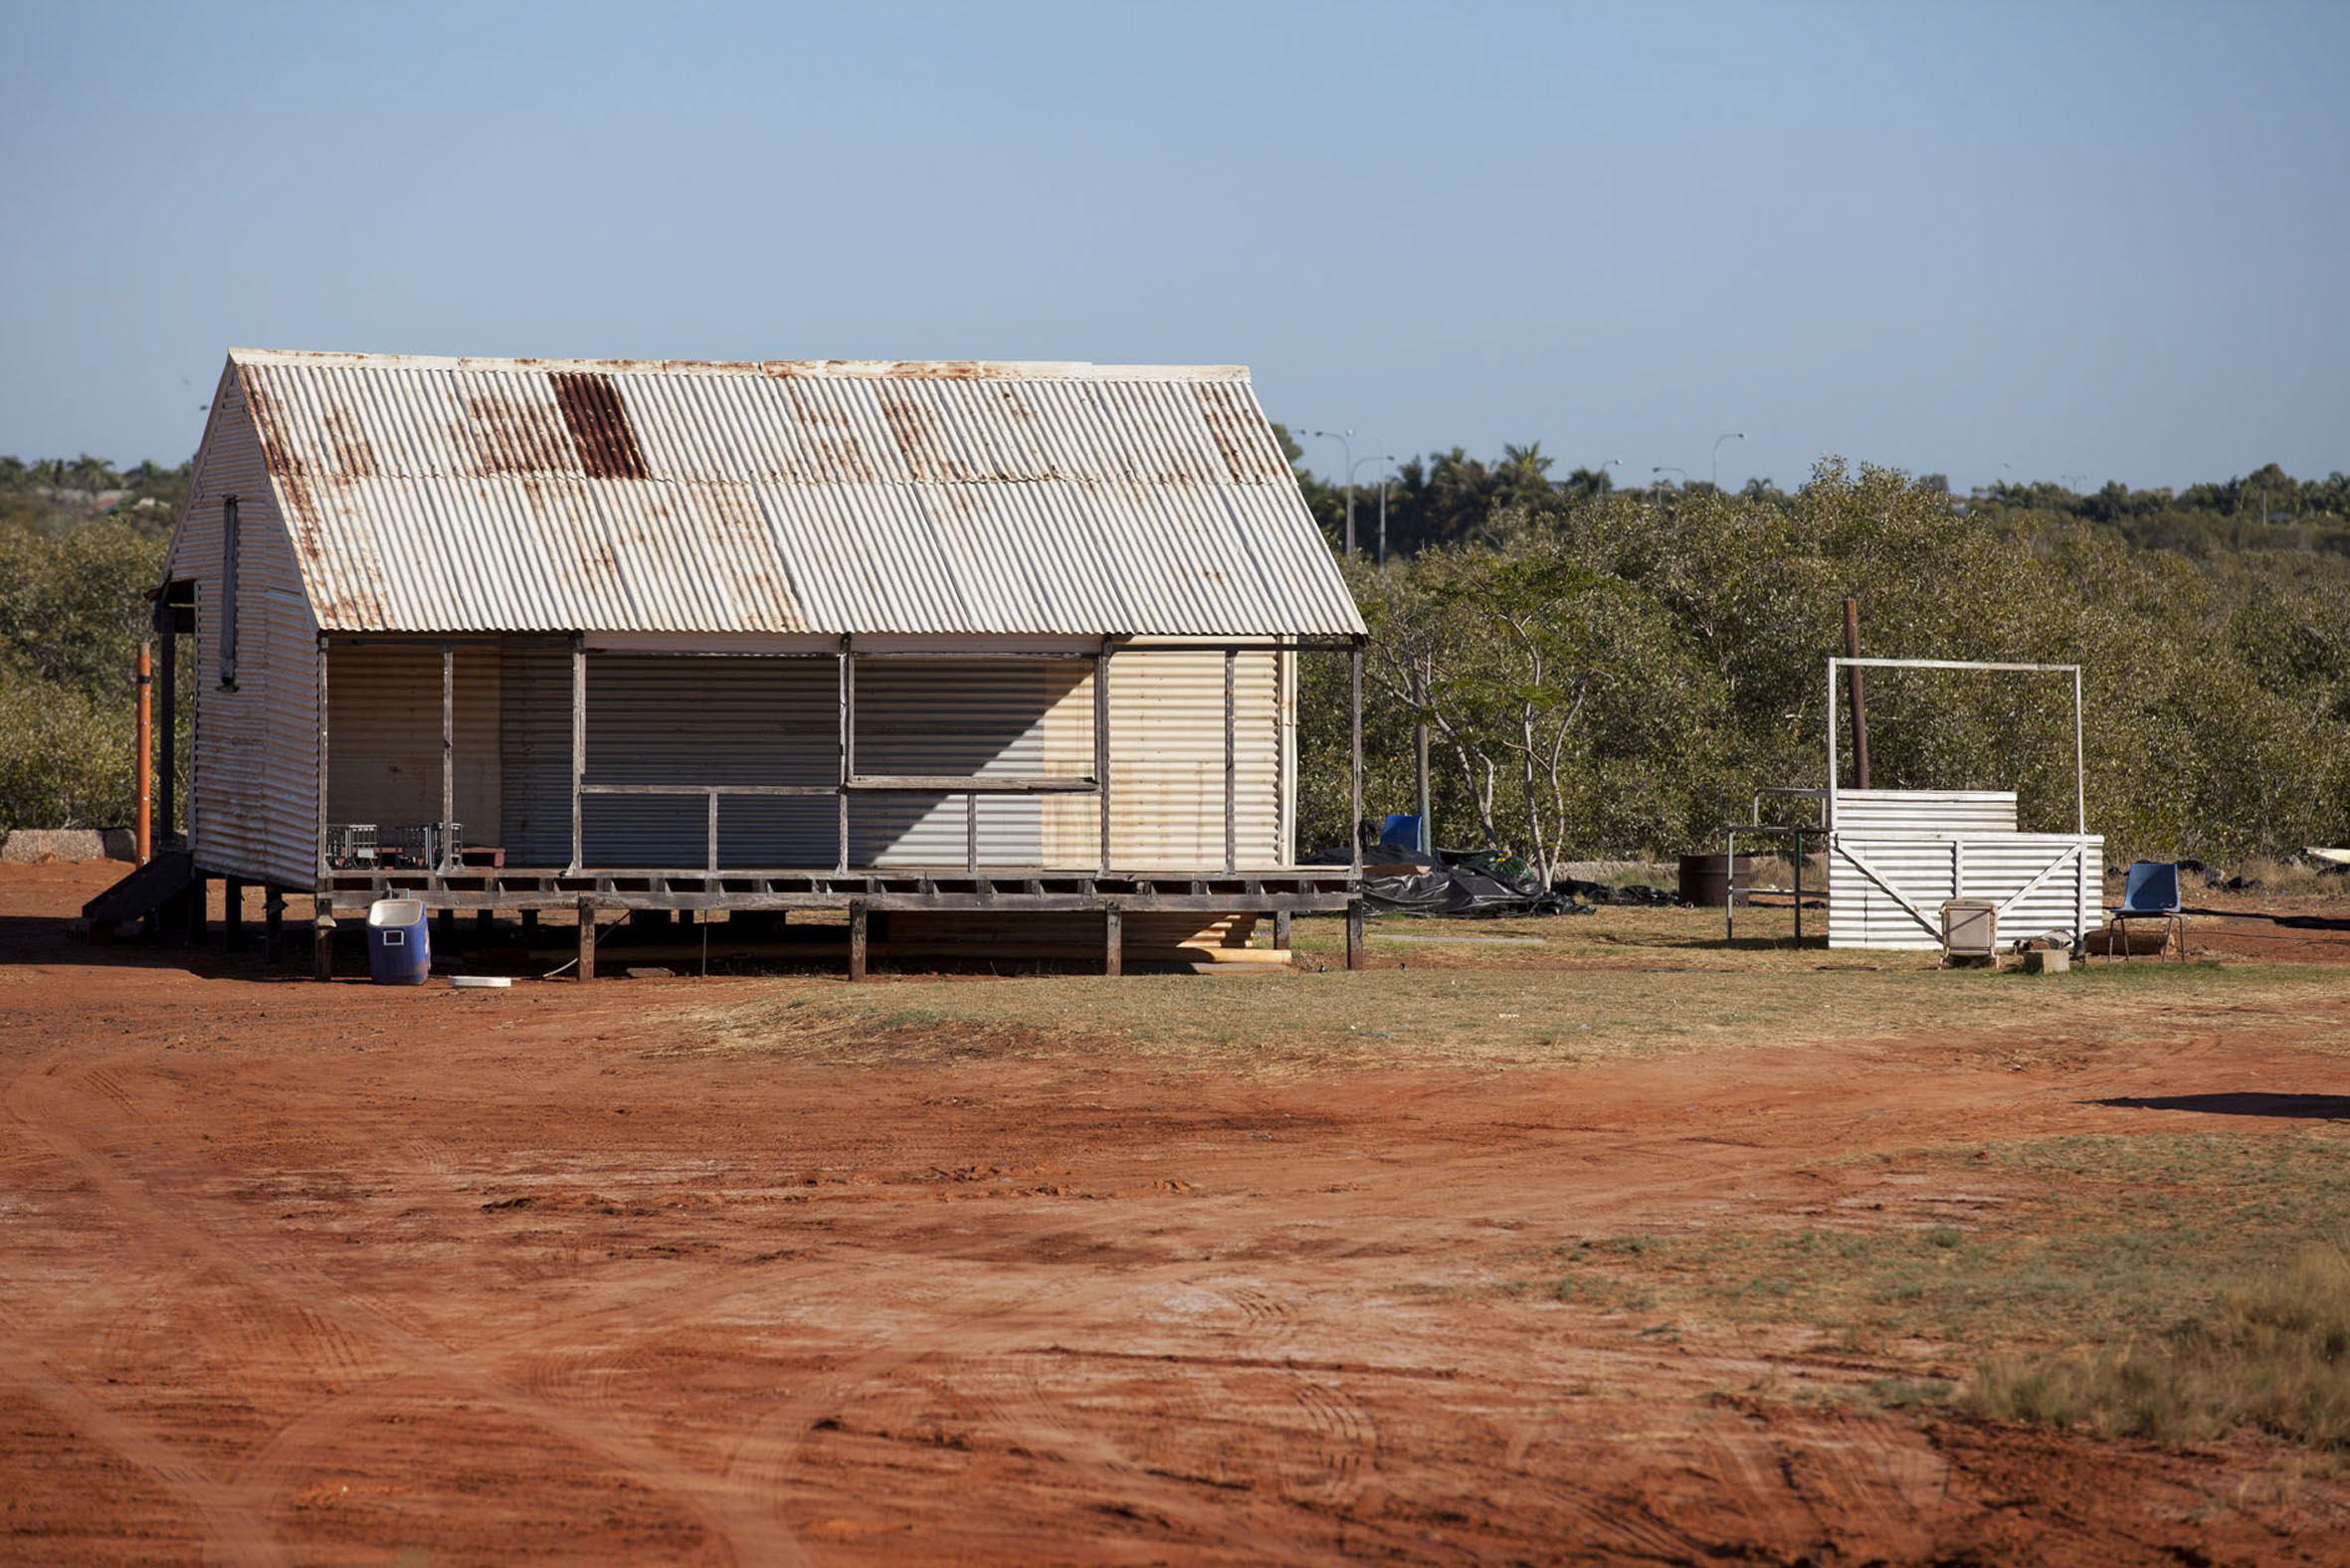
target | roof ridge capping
[{"x": 783, "y": 370}]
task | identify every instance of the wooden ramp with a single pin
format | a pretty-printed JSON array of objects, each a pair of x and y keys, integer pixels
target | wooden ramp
[{"x": 166, "y": 877}]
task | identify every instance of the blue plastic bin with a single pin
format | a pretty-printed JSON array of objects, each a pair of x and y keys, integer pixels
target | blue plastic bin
[
  {"x": 399, "y": 943},
  {"x": 1405, "y": 832}
]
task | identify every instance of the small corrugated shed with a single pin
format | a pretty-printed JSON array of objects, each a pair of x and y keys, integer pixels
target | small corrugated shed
[
  {"x": 432, "y": 494},
  {"x": 751, "y": 509}
]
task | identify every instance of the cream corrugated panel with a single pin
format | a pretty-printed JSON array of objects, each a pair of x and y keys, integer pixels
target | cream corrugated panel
[
  {"x": 1929, "y": 871},
  {"x": 656, "y": 719},
  {"x": 254, "y": 790},
  {"x": 383, "y": 728},
  {"x": 289, "y": 740},
  {"x": 1166, "y": 741},
  {"x": 976, "y": 716},
  {"x": 1925, "y": 811}
]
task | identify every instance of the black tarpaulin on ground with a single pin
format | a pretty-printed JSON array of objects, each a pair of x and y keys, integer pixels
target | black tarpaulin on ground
[{"x": 1396, "y": 880}]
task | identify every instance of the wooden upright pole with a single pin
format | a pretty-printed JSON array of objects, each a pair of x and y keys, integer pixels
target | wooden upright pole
[
  {"x": 1101, "y": 747},
  {"x": 146, "y": 753},
  {"x": 1860, "y": 701},
  {"x": 847, "y": 753},
  {"x": 448, "y": 855},
  {"x": 587, "y": 939},
  {"x": 578, "y": 742},
  {"x": 1426, "y": 822},
  {"x": 167, "y": 740},
  {"x": 1231, "y": 777},
  {"x": 1354, "y": 825}
]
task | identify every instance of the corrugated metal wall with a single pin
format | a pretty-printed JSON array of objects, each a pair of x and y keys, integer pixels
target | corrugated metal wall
[
  {"x": 1166, "y": 731},
  {"x": 656, "y": 719},
  {"x": 535, "y": 752},
  {"x": 1928, "y": 869},
  {"x": 977, "y": 716},
  {"x": 254, "y": 806},
  {"x": 1925, "y": 811},
  {"x": 383, "y": 725},
  {"x": 660, "y": 719}
]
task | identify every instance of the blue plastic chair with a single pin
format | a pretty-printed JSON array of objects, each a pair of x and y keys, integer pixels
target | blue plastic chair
[{"x": 2151, "y": 893}]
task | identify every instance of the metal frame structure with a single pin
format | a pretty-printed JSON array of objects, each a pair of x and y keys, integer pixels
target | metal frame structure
[
  {"x": 1110, "y": 891},
  {"x": 2080, "y": 836},
  {"x": 1835, "y": 662},
  {"x": 1729, "y": 911}
]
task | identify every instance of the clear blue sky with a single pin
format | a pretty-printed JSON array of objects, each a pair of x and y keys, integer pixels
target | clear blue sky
[{"x": 1988, "y": 240}]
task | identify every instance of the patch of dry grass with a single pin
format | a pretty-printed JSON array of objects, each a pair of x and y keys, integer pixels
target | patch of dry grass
[
  {"x": 2273, "y": 1354},
  {"x": 1622, "y": 983},
  {"x": 2154, "y": 1285}
]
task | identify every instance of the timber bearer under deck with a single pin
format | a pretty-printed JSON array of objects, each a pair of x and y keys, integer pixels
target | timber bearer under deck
[{"x": 907, "y": 639}]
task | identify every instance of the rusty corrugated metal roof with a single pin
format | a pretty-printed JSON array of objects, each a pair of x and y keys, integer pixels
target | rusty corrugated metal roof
[{"x": 861, "y": 496}]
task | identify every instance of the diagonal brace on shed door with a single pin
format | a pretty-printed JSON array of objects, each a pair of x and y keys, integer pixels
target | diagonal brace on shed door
[
  {"x": 2046, "y": 872},
  {"x": 1862, "y": 865}
]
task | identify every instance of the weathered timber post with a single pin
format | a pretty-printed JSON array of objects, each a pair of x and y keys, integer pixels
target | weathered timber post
[
  {"x": 587, "y": 939},
  {"x": 857, "y": 929},
  {"x": 1859, "y": 700},
  {"x": 145, "y": 771},
  {"x": 1280, "y": 928},
  {"x": 322, "y": 942},
  {"x": 1114, "y": 940},
  {"x": 1355, "y": 957}
]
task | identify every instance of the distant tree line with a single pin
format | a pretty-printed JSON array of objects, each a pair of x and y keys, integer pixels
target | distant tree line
[
  {"x": 80, "y": 544},
  {"x": 1603, "y": 671},
  {"x": 1610, "y": 671}
]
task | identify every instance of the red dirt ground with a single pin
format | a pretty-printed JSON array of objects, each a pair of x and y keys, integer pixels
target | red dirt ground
[{"x": 303, "y": 1274}]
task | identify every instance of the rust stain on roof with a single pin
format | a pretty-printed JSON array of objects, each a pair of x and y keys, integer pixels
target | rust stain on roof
[
  {"x": 287, "y": 469},
  {"x": 910, "y": 423},
  {"x": 1223, "y": 426},
  {"x": 355, "y": 454},
  {"x": 512, "y": 435},
  {"x": 600, "y": 427}
]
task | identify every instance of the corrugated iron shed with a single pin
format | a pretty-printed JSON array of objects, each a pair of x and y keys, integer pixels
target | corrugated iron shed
[{"x": 956, "y": 497}]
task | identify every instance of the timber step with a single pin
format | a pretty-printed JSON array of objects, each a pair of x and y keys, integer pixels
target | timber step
[{"x": 167, "y": 877}]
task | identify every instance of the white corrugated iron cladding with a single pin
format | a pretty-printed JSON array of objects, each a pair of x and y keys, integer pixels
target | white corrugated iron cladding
[{"x": 754, "y": 509}]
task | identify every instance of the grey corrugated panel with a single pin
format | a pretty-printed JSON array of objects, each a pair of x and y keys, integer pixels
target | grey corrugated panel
[
  {"x": 452, "y": 496},
  {"x": 660, "y": 719},
  {"x": 984, "y": 718},
  {"x": 534, "y": 691}
]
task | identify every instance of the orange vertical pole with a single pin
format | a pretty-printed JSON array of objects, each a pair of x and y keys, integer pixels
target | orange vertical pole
[{"x": 146, "y": 752}]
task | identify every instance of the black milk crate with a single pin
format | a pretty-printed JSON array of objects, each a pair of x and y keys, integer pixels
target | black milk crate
[
  {"x": 416, "y": 845},
  {"x": 352, "y": 845}
]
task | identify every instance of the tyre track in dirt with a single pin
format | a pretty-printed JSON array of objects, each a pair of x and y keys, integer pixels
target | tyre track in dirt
[{"x": 748, "y": 1533}]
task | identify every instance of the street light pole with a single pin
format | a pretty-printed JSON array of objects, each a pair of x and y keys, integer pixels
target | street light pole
[
  {"x": 1735, "y": 434},
  {"x": 1371, "y": 457},
  {"x": 1347, "y": 445},
  {"x": 1667, "y": 468}
]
